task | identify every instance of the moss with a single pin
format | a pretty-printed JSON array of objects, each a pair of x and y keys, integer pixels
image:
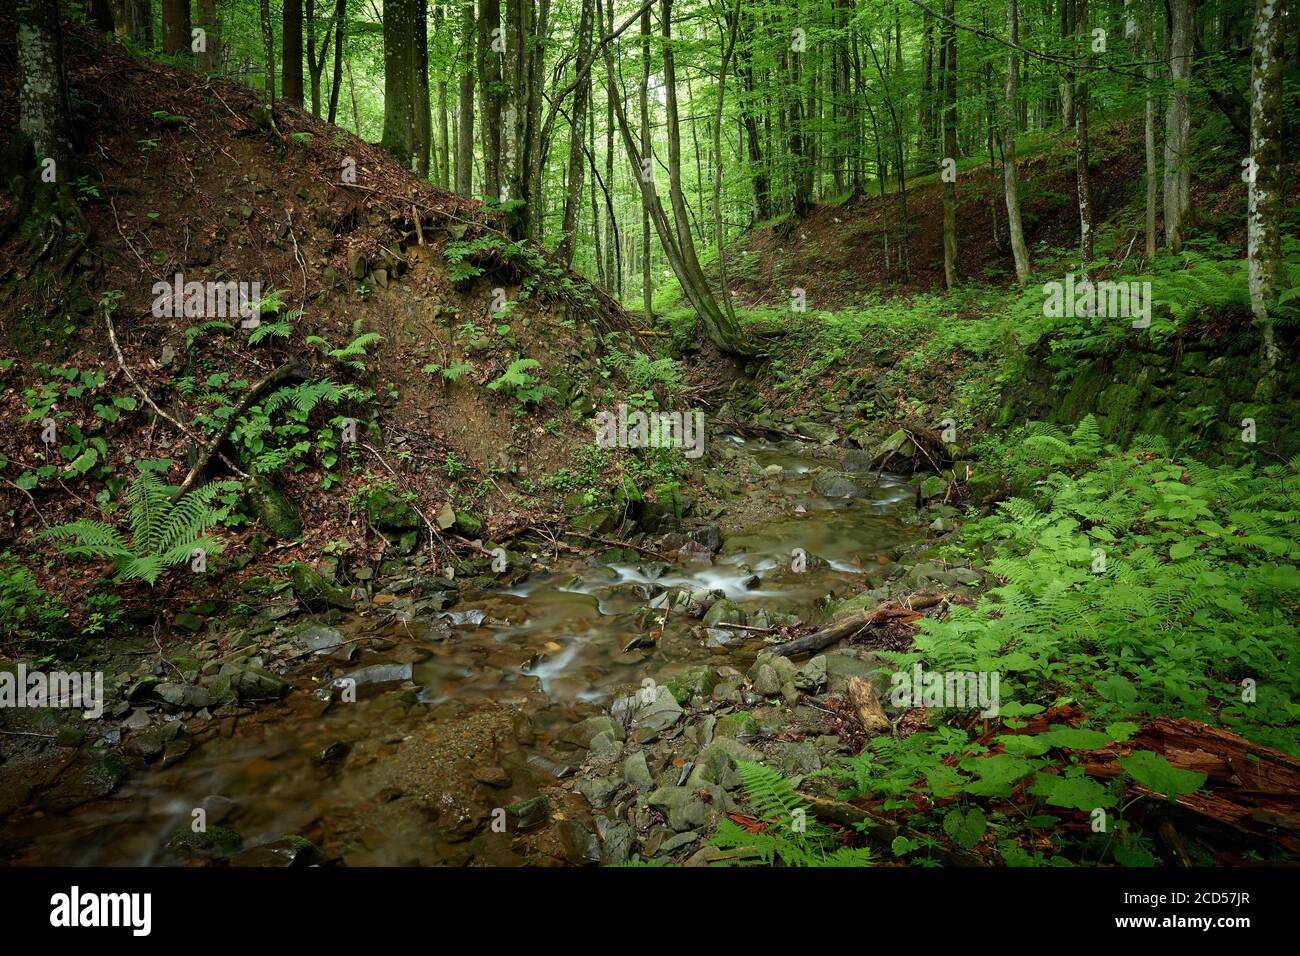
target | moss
[{"x": 274, "y": 510}]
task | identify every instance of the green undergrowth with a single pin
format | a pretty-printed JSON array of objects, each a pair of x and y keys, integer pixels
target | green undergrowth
[{"x": 1132, "y": 585}]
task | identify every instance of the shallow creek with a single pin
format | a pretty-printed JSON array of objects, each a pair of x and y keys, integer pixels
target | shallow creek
[{"x": 412, "y": 771}]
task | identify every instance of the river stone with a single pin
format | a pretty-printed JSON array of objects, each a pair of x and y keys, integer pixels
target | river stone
[
  {"x": 183, "y": 695},
  {"x": 388, "y": 512},
  {"x": 597, "y": 790},
  {"x": 695, "y": 682},
  {"x": 739, "y": 724},
  {"x": 684, "y": 807},
  {"x": 314, "y": 591},
  {"x": 636, "y": 772},
  {"x": 724, "y": 611},
  {"x": 530, "y": 812},
  {"x": 933, "y": 487},
  {"x": 812, "y": 675},
  {"x": 376, "y": 674},
  {"x": 943, "y": 525},
  {"x": 679, "y": 841},
  {"x": 286, "y": 851},
  {"x": 832, "y": 485},
  {"x": 617, "y": 845},
  {"x": 584, "y": 732},
  {"x": 658, "y": 715},
  {"x": 715, "y": 765},
  {"x": 252, "y": 683},
  {"x": 604, "y": 745},
  {"x": 857, "y": 462},
  {"x": 767, "y": 682},
  {"x": 710, "y": 536}
]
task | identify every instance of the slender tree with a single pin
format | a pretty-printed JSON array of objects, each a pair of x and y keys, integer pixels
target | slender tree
[
  {"x": 291, "y": 52},
  {"x": 1264, "y": 201},
  {"x": 948, "y": 56},
  {"x": 1010, "y": 177}
]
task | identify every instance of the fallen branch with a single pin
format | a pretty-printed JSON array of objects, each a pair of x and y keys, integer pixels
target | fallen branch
[
  {"x": 851, "y": 624},
  {"x": 289, "y": 371},
  {"x": 121, "y": 361},
  {"x": 862, "y": 694}
]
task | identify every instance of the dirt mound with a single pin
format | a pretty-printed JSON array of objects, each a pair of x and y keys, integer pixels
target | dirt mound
[{"x": 377, "y": 280}]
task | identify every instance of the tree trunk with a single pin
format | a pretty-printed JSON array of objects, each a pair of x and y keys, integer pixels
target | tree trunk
[
  {"x": 948, "y": 54},
  {"x": 1149, "y": 131},
  {"x": 646, "y": 168},
  {"x": 1086, "y": 237},
  {"x": 268, "y": 54},
  {"x": 340, "y": 23},
  {"x": 465, "y": 107},
  {"x": 577, "y": 131},
  {"x": 291, "y": 52},
  {"x": 1264, "y": 202},
  {"x": 100, "y": 15},
  {"x": 140, "y": 15},
  {"x": 1010, "y": 176},
  {"x": 422, "y": 133},
  {"x": 176, "y": 26},
  {"x": 491, "y": 56},
  {"x": 1178, "y": 124},
  {"x": 210, "y": 55},
  {"x": 399, "y": 74},
  {"x": 42, "y": 87}
]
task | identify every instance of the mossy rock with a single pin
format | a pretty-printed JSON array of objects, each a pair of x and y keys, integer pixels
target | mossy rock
[
  {"x": 388, "y": 512},
  {"x": 213, "y": 841},
  {"x": 467, "y": 525},
  {"x": 737, "y": 725},
  {"x": 313, "y": 590},
  {"x": 696, "y": 682},
  {"x": 276, "y": 512}
]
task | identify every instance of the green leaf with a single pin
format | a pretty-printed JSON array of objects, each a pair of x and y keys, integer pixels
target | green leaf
[
  {"x": 1156, "y": 773},
  {"x": 965, "y": 828}
]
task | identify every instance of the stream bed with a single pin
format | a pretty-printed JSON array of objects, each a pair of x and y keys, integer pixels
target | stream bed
[{"x": 462, "y": 713}]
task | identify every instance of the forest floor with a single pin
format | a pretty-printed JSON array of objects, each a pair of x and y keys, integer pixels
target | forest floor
[{"x": 471, "y": 614}]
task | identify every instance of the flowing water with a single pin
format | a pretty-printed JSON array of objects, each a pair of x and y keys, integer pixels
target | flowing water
[{"x": 388, "y": 779}]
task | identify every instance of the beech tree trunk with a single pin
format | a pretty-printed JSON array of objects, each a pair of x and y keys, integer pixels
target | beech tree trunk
[
  {"x": 465, "y": 106},
  {"x": 399, "y": 73},
  {"x": 210, "y": 55},
  {"x": 491, "y": 57},
  {"x": 1086, "y": 237},
  {"x": 1149, "y": 137},
  {"x": 140, "y": 17},
  {"x": 1010, "y": 177},
  {"x": 291, "y": 52},
  {"x": 948, "y": 55},
  {"x": 1264, "y": 201},
  {"x": 422, "y": 134},
  {"x": 340, "y": 24},
  {"x": 42, "y": 88},
  {"x": 1178, "y": 123}
]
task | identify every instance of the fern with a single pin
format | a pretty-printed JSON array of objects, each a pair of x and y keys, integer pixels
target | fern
[{"x": 163, "y": 534}]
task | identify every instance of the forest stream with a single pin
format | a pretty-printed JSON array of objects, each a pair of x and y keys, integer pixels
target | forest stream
[{"x": 505, "y": 671}]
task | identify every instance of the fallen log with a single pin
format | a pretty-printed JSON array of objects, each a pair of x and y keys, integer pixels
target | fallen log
[
  {"x": 862, "y": 694},
  {"x": 851, "y": 624},
  {"x": 883, "y": 832}
]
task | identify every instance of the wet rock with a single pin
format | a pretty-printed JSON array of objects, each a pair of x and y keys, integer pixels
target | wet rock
[
  {"x": 833, "y": 485},
  {"x": 672, "y": 844},
  {"x": 286, "y": 851},
  {"x": 492, "y": 776},
  {"x": 584, "y": 732},
  {"x": 943, "y": 525},
  {"x": 253, "y": 683},
  {"x": 378, "y": 674},
  {"x": 685, "y": 808},
  {"x": 314, "y": 591},
  {"x": 710, "y": 536},
  {"x": 145, "y": 744},
  {"x": 549, "y": 767},
  {"x": 636, "y": 772},
  {"x": 766, "y": 681},
  {"x": 529, "y": 813},
  {"x": 217, "y": 809},
  {"x": 212, "y": 841},
  {"x": 580, "y": 844},
  {"x": 724, "y": 611},
  {"x": 857, "y": 462},
  {"x": 389, "y": 512}
]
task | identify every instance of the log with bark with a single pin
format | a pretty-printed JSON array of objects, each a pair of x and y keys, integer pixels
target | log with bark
[
  {"x": 851, "y": 624},
  {"x": 883, "y": 832}
]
